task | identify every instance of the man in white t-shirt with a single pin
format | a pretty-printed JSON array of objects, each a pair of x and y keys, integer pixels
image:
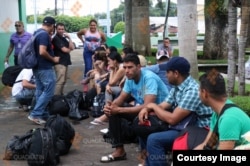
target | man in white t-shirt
[{"x": 24, "y": 88}]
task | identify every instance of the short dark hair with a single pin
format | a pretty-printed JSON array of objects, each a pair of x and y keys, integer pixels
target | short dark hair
[
  {"x": 115, "y": 56},
  {"x": 127, "y": 50},
  {"x": 112, "y": 49},
  {"x": 214, "y": 83},
  {"x": 59, "y": 24},
  {"x": 132, "y": 57}
]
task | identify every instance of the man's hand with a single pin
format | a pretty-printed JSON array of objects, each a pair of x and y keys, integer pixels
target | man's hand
[
  {"x": 111, "y": 108},
  {"x": 56, "y": 59},
  {"x": 143, "y": 114}
]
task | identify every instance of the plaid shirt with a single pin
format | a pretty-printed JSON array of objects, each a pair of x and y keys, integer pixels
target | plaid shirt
[{"x": 186, "y": 96}]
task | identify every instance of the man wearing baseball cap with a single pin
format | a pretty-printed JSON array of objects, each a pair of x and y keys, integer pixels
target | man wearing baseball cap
[
  {"x": 44, "y": 71},
  {"x": 180, "y": 107}
]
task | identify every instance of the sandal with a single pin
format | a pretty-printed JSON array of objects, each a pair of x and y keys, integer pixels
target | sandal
[
  {"x": 97, "y": 122},
  {"x": 110, "y": 158}
]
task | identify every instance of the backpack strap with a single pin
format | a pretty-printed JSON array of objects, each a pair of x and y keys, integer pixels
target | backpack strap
[{"x": 214, "y": 139}]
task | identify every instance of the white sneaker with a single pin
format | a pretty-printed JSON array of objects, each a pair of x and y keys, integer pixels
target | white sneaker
[
  {"x": 104, "y": 131},
  {"x": 37, "y": 120}
]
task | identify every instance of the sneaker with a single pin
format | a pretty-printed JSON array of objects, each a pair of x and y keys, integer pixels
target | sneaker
[
  {"x": 104, "y": 131},
  {"x": 37, "y": 120}
]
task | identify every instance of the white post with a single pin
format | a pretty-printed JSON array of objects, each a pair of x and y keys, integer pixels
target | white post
[
  {"x": 35, "y": 15},
  {"x": 108, "y": 19}
]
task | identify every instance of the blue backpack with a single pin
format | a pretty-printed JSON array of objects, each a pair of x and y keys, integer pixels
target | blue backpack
[{"x": 27, "y": 57}]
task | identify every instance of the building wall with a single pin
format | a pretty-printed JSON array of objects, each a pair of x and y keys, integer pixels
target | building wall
[{"x": 11, "y": 11}]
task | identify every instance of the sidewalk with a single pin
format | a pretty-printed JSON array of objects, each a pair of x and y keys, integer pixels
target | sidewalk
[{"x": 88, "y": 146}]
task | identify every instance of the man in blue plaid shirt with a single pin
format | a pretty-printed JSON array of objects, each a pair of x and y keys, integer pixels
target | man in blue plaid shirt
[{"x": 184, "y": 107}]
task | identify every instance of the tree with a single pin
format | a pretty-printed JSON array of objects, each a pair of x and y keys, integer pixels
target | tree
[
  {"x": 232, "y": 48},
  {"x": 245, "y": 10},
  {"x": 216, "y": 21},
  {"x": 141, "y": 28},
  {"x": 119, "y": 27},
  {"x": 187, "y": 31},
  {"x": 128, "y": 23}
]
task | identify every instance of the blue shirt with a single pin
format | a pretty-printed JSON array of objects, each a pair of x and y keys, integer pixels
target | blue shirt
[
  {"x": 45, "y": 40},
  {"x": 160, "y": 72},
  {"x": 19, "y": 41},
  {"x": 149, "y": 84},
  {"x": 186, "y": 96}
]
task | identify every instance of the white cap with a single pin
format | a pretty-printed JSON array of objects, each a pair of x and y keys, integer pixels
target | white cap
[
  {"x": 161, "y": 53},
  {"x": 143, "y": 60}
]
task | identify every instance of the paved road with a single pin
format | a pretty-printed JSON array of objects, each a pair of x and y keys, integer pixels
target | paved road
[{"x": 88, "y": 145}]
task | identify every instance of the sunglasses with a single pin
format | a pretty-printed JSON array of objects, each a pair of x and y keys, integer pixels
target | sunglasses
[{"x": 17, "y": 25}]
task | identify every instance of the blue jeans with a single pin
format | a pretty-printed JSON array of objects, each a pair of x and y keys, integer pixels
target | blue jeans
[
  {"x": 87, "y": 56},
  {"x": 45, "y": 86},
  {"x": 157, "y": 146},
  {"x": 25, "y": 96}
]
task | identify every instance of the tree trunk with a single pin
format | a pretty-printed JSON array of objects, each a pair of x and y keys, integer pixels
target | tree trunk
[
  {"x": 128, "y": 23},
  {"x": 232, "y": 48},
  {"x": 216, "y": 20},
  {"x": 242, "y": 44},
  {"x": 187, "y": 32},
  {"x": 141, "y": 29}
]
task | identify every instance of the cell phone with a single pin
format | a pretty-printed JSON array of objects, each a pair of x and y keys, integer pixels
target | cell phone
[{"x": 146, "y": 122}]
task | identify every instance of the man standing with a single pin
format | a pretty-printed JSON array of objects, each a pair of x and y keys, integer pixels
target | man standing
[
  {"x": 63, "y": 45},
  {"x": 44, "y": 72},
  {"x": 145, "y": 87},
  {"x": 17, "y": 41}
]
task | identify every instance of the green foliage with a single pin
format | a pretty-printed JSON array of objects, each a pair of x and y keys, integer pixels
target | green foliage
[
  {"x": 241, "y": 101},
  {"x": 119, "y": 27}
]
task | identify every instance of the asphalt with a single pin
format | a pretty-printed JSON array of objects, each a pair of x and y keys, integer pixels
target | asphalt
[{"x": 88, "y": 145}]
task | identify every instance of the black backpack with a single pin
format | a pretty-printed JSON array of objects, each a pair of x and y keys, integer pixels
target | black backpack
[
  {"x": 10, "y": 74},
  {"x": 65, "y": 133},
  {"x": 58, "y": 105},
  {"x": 18, "y": 146},
  {"x": 43, "y": 150}
]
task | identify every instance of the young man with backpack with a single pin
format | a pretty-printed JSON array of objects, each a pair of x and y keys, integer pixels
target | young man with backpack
[
  {"x": 43, "y": 71},
  {"x": 23, "y": 89}
]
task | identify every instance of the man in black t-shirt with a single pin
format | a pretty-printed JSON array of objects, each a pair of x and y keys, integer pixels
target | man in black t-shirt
[{"x": 63, "y": 45}]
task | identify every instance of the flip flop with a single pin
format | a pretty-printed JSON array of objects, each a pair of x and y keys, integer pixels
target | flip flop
[
  {"x": 97, "y": 122},
  {"x": 110, "y": 158}
]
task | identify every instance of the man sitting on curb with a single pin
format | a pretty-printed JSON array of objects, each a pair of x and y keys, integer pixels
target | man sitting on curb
[
  {"x": 145, "y": 87},
  {"x": 184, "y": 100}
]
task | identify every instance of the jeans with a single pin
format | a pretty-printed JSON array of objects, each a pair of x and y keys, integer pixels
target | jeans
[
  {"x": 61, "y": 77},
  {"x": 116, "y": 90},
  {"x": 45, "y": 86},
  {"x": 87, "y": 56},
  {"x": 25, "y": 96},
  {"x": 157, "y": 146}
]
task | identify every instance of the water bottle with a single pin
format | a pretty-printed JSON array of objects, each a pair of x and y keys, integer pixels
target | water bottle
[
  {"x": 6, "y": 64},
  {"x": 95, "y": 111}
]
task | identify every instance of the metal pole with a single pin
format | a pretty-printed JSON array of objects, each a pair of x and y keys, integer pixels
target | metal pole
[
  {"x": 35, "y": 15},
  {"x": 108, "y": 19}
]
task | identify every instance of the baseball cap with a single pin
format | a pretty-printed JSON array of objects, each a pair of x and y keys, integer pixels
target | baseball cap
[
  {"x": 161, "y": 53},
  {"x": 178, "y": 63},
  {"x": 49, "y": 20},
  {"x": 143, "y": 61}
]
